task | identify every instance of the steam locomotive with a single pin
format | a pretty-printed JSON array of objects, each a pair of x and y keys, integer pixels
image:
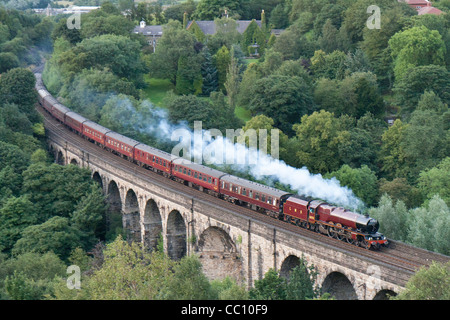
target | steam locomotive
[{"x": 315, "y": 215}]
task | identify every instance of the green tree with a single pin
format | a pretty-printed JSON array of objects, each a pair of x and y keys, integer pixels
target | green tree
[
  {"x": 301, "y": 284},
  {"x": 362, "y": 181},
  {"x": 17, "y": 86},
  {"x": 209, "y": 73},
  {"x": 429, "y": 226},
  {"x": 88, "y": 216},
  {"x": 271, "y": 287},
  {"x": 284, "y": 99},
  {"x": 56, "y": 234},
  {"x": 418, "y": 80},
  {"x": 232, "y": 81},
  {"x": 392, "y": 153},
  {"x": 174, "y": 43},
  {"x": 425, "y": 141},
  {"x": 8, "y": 60},
  {"x": 319, "y": 136},
  {"x": 105, "y": 51},
  {"x": 188, "y": 281},
  {"x": 415, "y": 47},
  {"x": 188, "y": 79},
  {"x": 393, "y": 218},
  {"x": 436, "y": 181},
  {"x": 222, "y": 61},
  {"x": 16, "y": 214},
  {"x": 129, "y": 272},
  {"x": 210, "y": 9},
  {"x": 429, "y": 283}
]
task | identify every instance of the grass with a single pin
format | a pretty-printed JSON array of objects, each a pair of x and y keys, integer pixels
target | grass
[
  {"x": 242, "y": 113},
  {"x": 157, "y": 90}
]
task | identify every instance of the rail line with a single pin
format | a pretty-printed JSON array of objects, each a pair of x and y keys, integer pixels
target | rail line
[{"x": 399, "y": 256}]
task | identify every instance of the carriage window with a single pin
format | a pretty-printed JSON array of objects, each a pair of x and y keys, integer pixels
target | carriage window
[
  {"x": 215, "y": 181},
  {"x": 257, "y": 196},
  {"x": 231, "y": 186},
  {"x": 244, "y": 192},
  {"x": 250, "y": 193},
  {"x": 204, "y": 178},
  {"x": 153, "y": 158},
  {"x": 263, "y": 198},
  {"x": 209, "y": 179},
  {"x": 195, "y": 175},
  {"x": 164, "y": 163},
  {"x": 239, "y": 190},
  {"x": 223, "y": 184},
  {"x": 189, "y": 172},
  {"x": 269, "y": 200},
  {"x": 200, "y": 176}
]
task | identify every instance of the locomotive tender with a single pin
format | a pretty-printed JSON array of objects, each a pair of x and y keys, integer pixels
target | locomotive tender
[{"x": 316, "y": 215}]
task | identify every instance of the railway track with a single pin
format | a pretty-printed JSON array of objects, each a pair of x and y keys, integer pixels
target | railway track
[{"x": 399, "y": 256}]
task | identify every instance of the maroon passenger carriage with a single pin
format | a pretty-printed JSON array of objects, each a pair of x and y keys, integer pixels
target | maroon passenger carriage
[
  {"x": 255, "y": 195},
  {"x": 197, "y": 175},
  {"x": 152, "y": 158},
  {"x": 59, "y": 111},
  {"x": 120, "y": 144},
  {"x": 95, "y": 132},
  {"x": 75, "y": 121}
]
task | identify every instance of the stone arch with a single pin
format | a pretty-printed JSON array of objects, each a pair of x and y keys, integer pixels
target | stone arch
[
  {"x": 60, "y": 158},
  {"x": 288, "y": 264},
  {"x": 339, "y": 286},
  {"x": 218, "y": 254},
  {"x": 97, "y": 178},
  {"x": 113, "y": 219},
  {"x": 384, "y": 294},
  {"x": 152, "y": 224},
  {"x": 176, "y": 235},
  {"x": 130, "y": 217},
  {"x": 74, "y": 162}
]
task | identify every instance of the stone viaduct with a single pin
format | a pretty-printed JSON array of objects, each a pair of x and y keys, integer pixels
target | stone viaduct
[{"x": 227, "y": 243}]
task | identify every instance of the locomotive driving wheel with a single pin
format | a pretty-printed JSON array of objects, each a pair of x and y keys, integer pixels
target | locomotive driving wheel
[{"x": 332, "y": 232}]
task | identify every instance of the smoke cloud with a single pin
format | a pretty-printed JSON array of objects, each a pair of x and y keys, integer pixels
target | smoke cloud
[{"x": 213, "y": 147}]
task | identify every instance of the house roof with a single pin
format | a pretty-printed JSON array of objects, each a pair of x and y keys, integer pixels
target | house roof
[
  {"x": 148, "y": 30},
  {"x": 417, "y": 2},
  {"x": 209, "y": 27},
  {"x": 429, "y": 10}
]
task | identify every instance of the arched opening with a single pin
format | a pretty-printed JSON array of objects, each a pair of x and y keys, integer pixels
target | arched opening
[
  {"x": 152, "y": 225},
  {"x": 131, "y": 217},
  {"x": 74, "y": 162},
  {"x": 60, "y": 159},
  {"x": 339, "y": 287},
  {"x": 113, "y": 219},
  {"x": 96, "y": 177},
  {"x": 176, "y": 236},
  {"x": 384, "y": 295},
  {"x": 288, "y": 264},
  {"x": 218, "y": 255}
]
